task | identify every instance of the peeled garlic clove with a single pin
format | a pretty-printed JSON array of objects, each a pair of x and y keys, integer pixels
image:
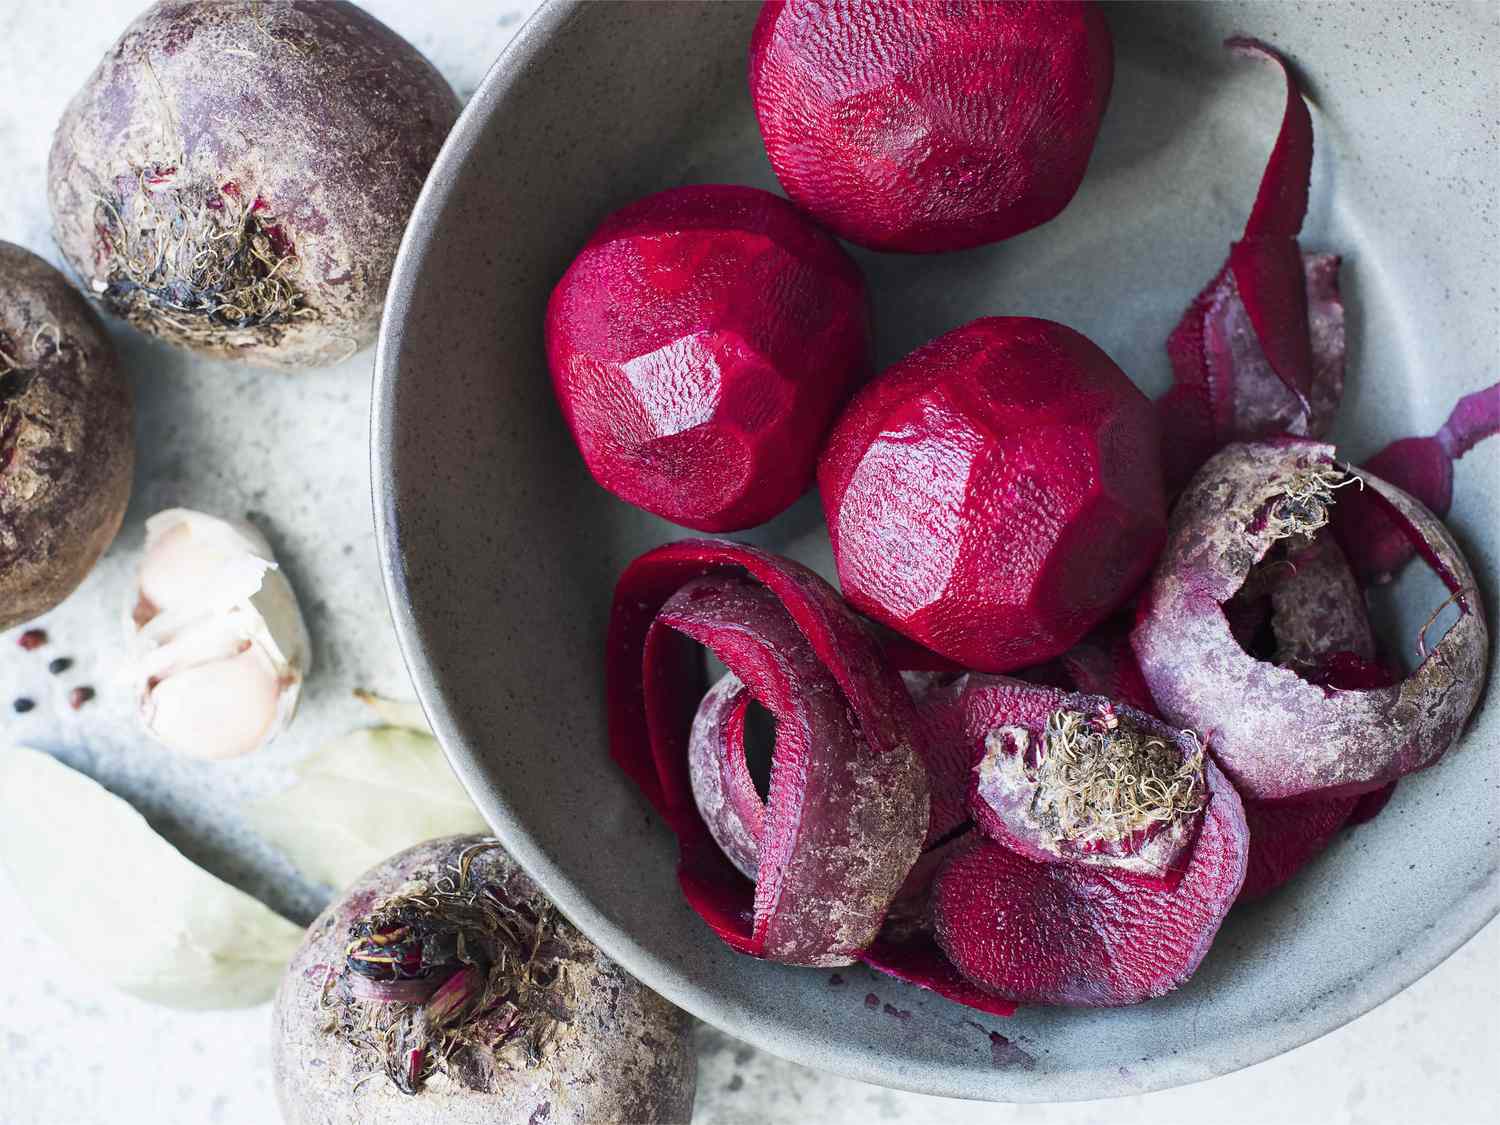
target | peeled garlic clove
[{"x": 221, "y": 649}]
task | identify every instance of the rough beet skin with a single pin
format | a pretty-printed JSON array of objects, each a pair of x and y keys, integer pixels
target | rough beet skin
[
  {"x": 995, "y": 494},
  {"x": 914, "y": 126},
  {"x": 847, "y": 811},
  {"x": 528, "y": 1023},
  {"x": 1337, "y": 729},
  {"x": 701, "y": 344},
  {"x": 67, "y": 445},
  {"x": 236, "y": 177}
]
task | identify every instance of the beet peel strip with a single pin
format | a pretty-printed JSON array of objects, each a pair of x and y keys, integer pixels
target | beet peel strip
[{"x": 845, "y": 820}]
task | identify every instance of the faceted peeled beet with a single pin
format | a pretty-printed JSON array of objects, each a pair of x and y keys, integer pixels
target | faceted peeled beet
[
  {"x": 995, "y": 494},
  {"x": 1063, "y": 933},
  {"x": 806, "y": 876},
  {"x": 701, "y": 344},
  {"x": 1339, "y": 727},
  {"x": 916, "y": 126}
]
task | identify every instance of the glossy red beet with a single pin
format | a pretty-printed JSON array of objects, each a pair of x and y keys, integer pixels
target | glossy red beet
[
  {"x": 701, "y": 344},
  {"x": 848, "y": 807},
  {"x": 995, "y": 494},
  {"x": 916, "y": 126},
  {"x": 1061, "y": 933}
]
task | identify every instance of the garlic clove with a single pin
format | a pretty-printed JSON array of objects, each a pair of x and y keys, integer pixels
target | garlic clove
[
  {"x": 220, "y": 709},
  {"x": 221, "y": 648}
]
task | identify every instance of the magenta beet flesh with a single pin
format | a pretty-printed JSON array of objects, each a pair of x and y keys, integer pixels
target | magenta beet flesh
[
  {"x": 1062, "y": 933},
  {"x": 847, "y": 811},
  {"x": 701, "y": 344},
  {"x": 1337, "y": 729},
  {"x": 995, "y": 494},
  {"x": 915, "y": 126},
  {"x": 1285, "y": 835}
]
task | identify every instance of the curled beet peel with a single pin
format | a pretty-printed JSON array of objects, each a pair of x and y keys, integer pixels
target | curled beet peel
[
  {"x": 995, "y": 494},
  {"x": 847, "y": 809},
  {"x": 1260, "y": 351},
  {"x": 914, "y": 126},
  {"x": 1307, "y": 610},
  {"x": 700, "y": 345},
  {"x": 1339, "y": 730},
  {"x": 1421, "y": 466}
]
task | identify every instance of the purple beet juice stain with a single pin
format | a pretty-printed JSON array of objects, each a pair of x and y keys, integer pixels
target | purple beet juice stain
[{"x": 1005, "y": 1055}]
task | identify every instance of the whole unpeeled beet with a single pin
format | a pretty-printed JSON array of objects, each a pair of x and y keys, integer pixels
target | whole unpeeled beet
[
  {"x": 701, "y": 345},
  {"x": 996, "y": 494},
  {"x": 915, "y": 126}
]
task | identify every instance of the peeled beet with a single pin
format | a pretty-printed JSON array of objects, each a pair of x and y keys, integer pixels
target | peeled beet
[
  {"x": 995, "y": 494},
  {"x": 915, "y": 126},
  {"x": 1340, "y": 728},
  {"x": 1062, "y": 933},
  {"x": 701, "y": 344},
  {"x": 848, "y": 807}
]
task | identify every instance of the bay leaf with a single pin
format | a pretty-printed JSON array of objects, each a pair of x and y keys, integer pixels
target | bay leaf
[
  {"x": 361, "y": 798},
  {"x": 124, "y": 901},
  {"x": 395, "y": 712}
]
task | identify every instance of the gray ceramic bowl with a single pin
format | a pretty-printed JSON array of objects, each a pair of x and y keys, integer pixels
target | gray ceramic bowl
[{"x": 500, "y": 552}]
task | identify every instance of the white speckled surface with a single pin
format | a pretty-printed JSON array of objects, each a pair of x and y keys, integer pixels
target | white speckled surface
[{"x": 291, "y": 453}]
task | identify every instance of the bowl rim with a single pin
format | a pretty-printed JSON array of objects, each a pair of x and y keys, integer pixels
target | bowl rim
[{"x": 1216, "y": 1057}]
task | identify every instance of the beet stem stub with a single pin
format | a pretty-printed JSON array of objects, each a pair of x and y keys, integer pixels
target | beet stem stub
[
  {"x": 1100, "y": 780},
  {"x": 436, "y": 958}
]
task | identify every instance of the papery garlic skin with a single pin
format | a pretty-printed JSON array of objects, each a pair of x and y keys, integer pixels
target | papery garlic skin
[{"x": 220, "y": 646}]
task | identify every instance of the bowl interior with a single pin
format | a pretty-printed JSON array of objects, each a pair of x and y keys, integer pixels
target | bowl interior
[{"x": 501, "y": 553}]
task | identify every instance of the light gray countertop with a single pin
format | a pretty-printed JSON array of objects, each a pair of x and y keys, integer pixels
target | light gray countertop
[{"x": 290, "y": 451}]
